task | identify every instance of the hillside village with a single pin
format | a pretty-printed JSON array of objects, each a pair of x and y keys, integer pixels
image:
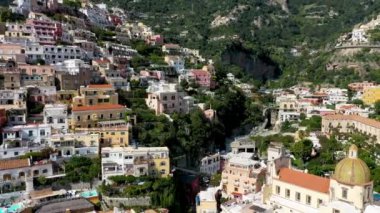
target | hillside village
[{"x": 99, "y": 113}]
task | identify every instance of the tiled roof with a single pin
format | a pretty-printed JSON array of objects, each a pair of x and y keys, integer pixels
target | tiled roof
[
  {"x": 13, "y": 164},
  {"x": 200, "y": 72},
  {"x": 98, "y": 107},
  {"x": 95, "y": 86},
  {"x": 305, "y": 180},
  {"x": 357, "y": 118},
  {"x": 102, "y": 61}
]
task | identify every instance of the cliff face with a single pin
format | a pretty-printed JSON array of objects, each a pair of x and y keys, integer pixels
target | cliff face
[{"x": 260, "y": 67}]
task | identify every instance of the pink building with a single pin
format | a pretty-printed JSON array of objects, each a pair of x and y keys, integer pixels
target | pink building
[
  {"x": 12, "y": 52},
  {"x": 115, "y": 20},
  {"x": 360, "y": 86},
  {"x": 155, "y": 40},
  {"x": 157, "y": 75},
  {"x": 242, "y": 175},
  {"x": 47, "y": 31},
  {"x": 202, "y": 78},
  {"x": 36, "y": 69}
]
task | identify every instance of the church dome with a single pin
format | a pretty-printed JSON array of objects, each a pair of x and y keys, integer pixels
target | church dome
[{"x": 352, "y": 170}]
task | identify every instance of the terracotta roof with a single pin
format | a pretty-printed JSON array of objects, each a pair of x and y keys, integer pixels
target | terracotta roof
[
  {"x": 305, "y": 180},
  {"x": 98, "y": 107},
  {"x": 102, "y": 61},
  {"x": 13, "y": 164},
  {"x": 357, "y": 118},
  {"x": 95, "y": 86},
  {"x": 200, "y": 72}
]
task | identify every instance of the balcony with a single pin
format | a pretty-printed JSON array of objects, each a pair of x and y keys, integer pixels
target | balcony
[{"x": 224, "y": 181}]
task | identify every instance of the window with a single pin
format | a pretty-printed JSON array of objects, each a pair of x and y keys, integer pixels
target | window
[
  {"x": 42, "y": 132},
  {"x": 320, "y": 202},
  {"x": 163, "y": 163},
  {"x": 30, "y": 133},
  {"x": 44, "y": 171},
  {"x": 308, "y": 199},
  {"x": 163, "y": 171},
  {"x": 344, "y": 193},
  {"x": 336, "y": 211},
  {"x": 278, "y": 190},
  {"x": 298, "y": 196},
  {"x": 287, "y": 193},
  {"x": 78, "y": 118},
  {"x": 16, "y": 153}
]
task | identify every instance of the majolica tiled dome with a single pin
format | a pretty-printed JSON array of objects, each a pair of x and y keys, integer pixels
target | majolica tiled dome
[{"x": 352, "y": 170}]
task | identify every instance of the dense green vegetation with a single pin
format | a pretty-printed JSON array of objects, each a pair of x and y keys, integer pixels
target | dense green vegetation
[
  {"x": 7, "y": 15},
  {"x": 311, "y": 26},
  {"x": 162, "y": 191}
]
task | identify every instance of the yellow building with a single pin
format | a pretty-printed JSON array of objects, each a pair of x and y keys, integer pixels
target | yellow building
[
  {"x": 350, "y": 189},
  {"x": 89, "y": 116},
  {"x": 371, "y": 95},
  {"x": 118, "y": 136},
  {"x": 205, "y": 200},
  {"x": 96, "y": 94},
  {"x": 71, "y": 144},
  {"x": 136, "y": 161}
]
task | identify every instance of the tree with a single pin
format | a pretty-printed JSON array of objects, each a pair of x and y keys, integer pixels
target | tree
[
  {"x": 302, "y": 149},
  {"x": 82, "y": 169},
  {"x": 42, "y": 180},
  {"x": 215, "y": 179},
  {"x": 376, "y": 106}
]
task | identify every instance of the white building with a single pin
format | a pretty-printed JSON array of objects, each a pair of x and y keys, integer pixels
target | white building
[
  {"x": 75, "y": 144},
  {"x": 55, "y": 115},
  {"x": 210, "y": 164},
  {"x": 359, "y": 36},
  {"x": 33, "y": 133},
  {"x": 17, "y": 171},
  {"x": 136, "y": 161},
  {"x": 10, "y": 99},
  {"x": 206, "y": 202},
  {"x": 14, "y": 102},
  {"x": 53, "y": 54},
  {"x": 119, "y": 50},
  {"x": 72, "y": 66},
  {"x": 177, "y": 62},
  {"x": 288, "y": 116}
]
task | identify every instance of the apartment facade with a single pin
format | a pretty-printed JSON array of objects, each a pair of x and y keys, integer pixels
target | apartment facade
[
  {"x": 165, "y": 98},
  {"x": 89, "y": 116},
  {"x": 96, "y": 94},
  {"x": 13, "y": 52},
  {"x": 17, "y": 171},
  {"x": 351, "y": 123},
  {"x": 136, "y": 161},
  {"x": 56, "y": 116},
  {"x": 242, "y": 175},
  {"x": 210, "y": 164},
  {"x": 52, "y": 54},
  {"x": 75, "y": 144},
  {"x": 111, "y": 136}
]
